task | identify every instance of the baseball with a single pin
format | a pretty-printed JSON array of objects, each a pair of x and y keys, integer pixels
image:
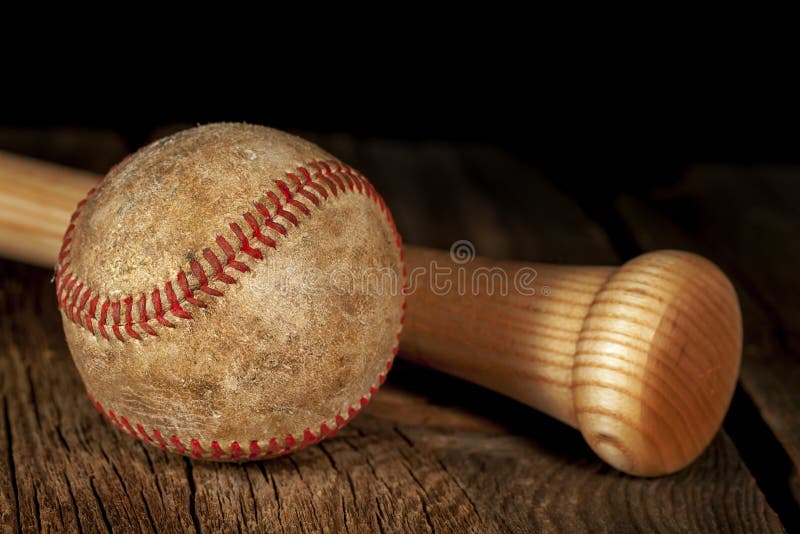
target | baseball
[{"x": 231, "y": 292}]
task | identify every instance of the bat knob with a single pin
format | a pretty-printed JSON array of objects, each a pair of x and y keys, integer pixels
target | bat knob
[{"x": 657, "y": 361}]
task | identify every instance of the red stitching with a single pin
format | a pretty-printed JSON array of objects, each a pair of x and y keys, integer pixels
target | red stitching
[
  {"x": 255, "y": 450},
  {"x": 279, "y": 211},
  {"x": 82, "y": 304},
  {"x": 348, "y": 178},
  {"x": 179, "y": 447},
  {"x": 230, "y": 254},
  {"x": 61, "y": 281},
  {"x": 236, "y": 451},
  {"x": 309, "y": 182},
  {"x": 245, "y": 243},
  {"x": 115, "y": 316},
  {"x": 289, "y": 198},
  {"x": 327, "y": 171},
  {"x": 160, "y": 439},
  {"x": 174, "y": 305},
  {"x": 219, "y": 273},
  {"x": 129, "y": 321},
  {"x": 355, "y": 177},
  {"x": 93, "y": 306},
  {"x": 201, "y": 277},
  {"x": 90, "y": 314},
  {"x": 321, "y": 176},
  {"x": 155, "y": 296},
  {"x": 70, "y": 285},
  {"x": 75, "y": 296},
  {"x": 308, "y": 437},
  {"x": 143, "y": 324},
  {"x": 64, "y": 251},
  {"x": 197, "y": 450},
  {"x": 112, "y": 417},
  {"x": 188, "y": 294},
  {"x": 128, "y": 427},
  {"x": 301, "y": 186},
  {"x": 268, "y": 221},
  {"x": 257, "y": 232},
  {"x": 102, "y": 322},
  {"x": 143, "y": 434}
]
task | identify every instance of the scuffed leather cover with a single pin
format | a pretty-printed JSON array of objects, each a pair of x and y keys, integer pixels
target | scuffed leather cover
[{"x": 227, "y": 292}]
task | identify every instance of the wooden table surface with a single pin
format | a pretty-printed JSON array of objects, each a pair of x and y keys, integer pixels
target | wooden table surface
[{"x": 432, "y": 453}]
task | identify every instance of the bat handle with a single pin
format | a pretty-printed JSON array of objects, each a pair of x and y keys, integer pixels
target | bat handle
[
  {"x": 36, "y": 202},
  {"x": 642, "y": 359}
]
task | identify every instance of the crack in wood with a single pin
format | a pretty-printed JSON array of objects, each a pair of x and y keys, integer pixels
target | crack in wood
[
  {"x": 192, "y": 494},
  {"x": 74, "y": 503},
  {"x": 100, "y": 505},
  {"x": 11, "y": 465}
]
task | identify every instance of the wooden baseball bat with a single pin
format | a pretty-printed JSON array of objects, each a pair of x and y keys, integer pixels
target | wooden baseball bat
[{"x": 642, "y": 359}]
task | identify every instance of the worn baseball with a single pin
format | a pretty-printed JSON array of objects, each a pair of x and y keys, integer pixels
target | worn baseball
[{"x": 231, "y": 292}]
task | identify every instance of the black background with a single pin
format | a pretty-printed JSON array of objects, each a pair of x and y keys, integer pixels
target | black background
[{"x": 626, "y": 126}]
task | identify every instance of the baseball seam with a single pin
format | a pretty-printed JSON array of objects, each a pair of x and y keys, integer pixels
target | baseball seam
[
  {"x": 131, "y": 317},
  {"x": 327, "y": 179}
]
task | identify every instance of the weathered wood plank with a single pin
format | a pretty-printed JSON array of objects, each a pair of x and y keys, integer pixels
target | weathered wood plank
[
  {"x": 522, "y": 472},
  {"x": 430, "y": 453}
]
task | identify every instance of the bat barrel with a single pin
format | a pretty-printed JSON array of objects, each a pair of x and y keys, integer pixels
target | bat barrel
[
  {"x": 657, "y": 361},
  {"x": 643, "y": 359}
]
